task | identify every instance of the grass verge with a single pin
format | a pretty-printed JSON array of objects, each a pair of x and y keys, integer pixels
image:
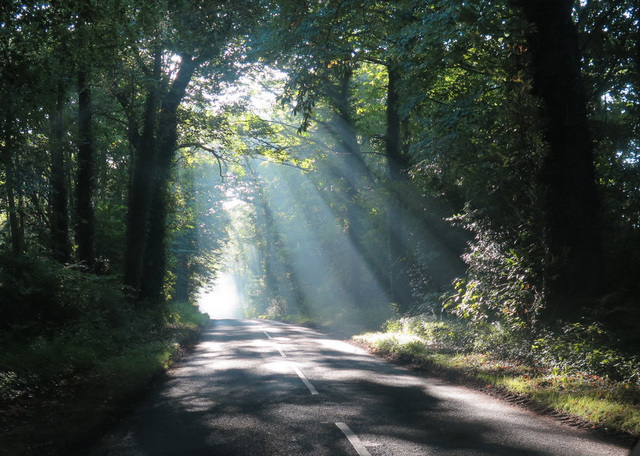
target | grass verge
[
  {"x": 585, "y": 400},
  {"x": 58, "y": 393}
]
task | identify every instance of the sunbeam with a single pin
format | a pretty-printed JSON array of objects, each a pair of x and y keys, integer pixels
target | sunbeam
[{"x": 332, "y": 275}]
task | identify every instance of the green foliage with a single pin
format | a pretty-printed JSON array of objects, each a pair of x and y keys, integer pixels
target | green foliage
[
  {"x": 501, "y": 284},
  {"x": 119, "y": 347},
  {"x": 186, "y": 314},
  {"x": 586, "y": 348},
  {"x": 40, "y": 297},
  {"x": 577, "y": 348},
  {"x": 450, "y": 334}
]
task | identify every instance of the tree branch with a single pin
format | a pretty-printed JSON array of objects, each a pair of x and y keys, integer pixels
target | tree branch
[{"x": 211, "y": 150}]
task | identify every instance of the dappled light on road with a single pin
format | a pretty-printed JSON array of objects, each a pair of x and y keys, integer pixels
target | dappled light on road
[{"x": 252, "y": 400}]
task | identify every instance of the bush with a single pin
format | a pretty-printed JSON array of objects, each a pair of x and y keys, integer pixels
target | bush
[
  {"x": 464, "y": 336},
  {"x": 39, "y": 297},
  {"x": 586, "y": 348},
  {"x": 447, "y": 333},
  {"x": 502, "y": 279},
  {"x": 186, "y": 313}
]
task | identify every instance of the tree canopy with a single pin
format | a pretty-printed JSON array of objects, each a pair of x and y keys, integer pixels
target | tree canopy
[{"x": 346, "y": 160}]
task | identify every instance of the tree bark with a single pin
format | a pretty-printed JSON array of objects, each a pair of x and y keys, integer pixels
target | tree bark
[
  {"x": 60, "y": 245},
  {"x": 155, "y": 255},
  {"x": 572, "y": 207},
  {"x": 139, "y": 201},
  {"x": 15, "y": 226},
  {"x": 85, "y": 179},
  {"x": 398, "y": 168}
]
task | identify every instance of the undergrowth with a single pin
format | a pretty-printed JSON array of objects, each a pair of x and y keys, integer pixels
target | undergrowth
[
  {"x": 85, "y": 365},
  {"x": 571, "y": 371}
]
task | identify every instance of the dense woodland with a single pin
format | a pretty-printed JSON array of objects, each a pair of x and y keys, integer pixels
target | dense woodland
[{"x": 346, "y": 160}]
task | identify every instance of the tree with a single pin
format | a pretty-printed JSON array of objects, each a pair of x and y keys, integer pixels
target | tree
[
  {"x": 60, "y": 243},
  {"x": 85, "y": 230},
  {"x": 572, "y": 207},
  {"x": 192, "y": 40}
]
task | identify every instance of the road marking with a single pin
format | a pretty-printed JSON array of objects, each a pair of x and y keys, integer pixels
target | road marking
[
  {"x": 304, "y": 379},
  {"x": 277, "y": 348},
  {"x": 353, "y": 439}
]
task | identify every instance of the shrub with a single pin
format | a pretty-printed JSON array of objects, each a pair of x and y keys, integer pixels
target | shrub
[
  {"x": 501, "y": 282},
  {"x": 39, "y": 297},
  {"x": 587, "y": 348}
]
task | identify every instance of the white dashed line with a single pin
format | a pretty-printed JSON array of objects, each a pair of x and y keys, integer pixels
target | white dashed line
[
  {"x": 304, "y": 380},
  {"x": 277, "y": 348},
  {"x": 295, "y": 368},
  {"x": 353, "y": 439}
]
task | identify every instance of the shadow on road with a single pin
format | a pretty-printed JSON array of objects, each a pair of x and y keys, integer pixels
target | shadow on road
[{"x": 236, "y": 395}]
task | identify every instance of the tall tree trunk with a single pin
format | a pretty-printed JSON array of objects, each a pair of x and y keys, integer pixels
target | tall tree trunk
[
  {"x": 60, "y": 245},
  {"x": 85, "y": 179},
  {"x": 183, "y": 254},
  {"x": 155, "y": 254},
  {"x": 17, "y": 237},
  {"x": 185, "y": 246},
  {"x": 278, "y": 257},
  {"x": 398, "y": 168},
  {"x": 353, "y": 174},
  {"x": 139, "y": 201},
  {"x": 572, "y": 207}
]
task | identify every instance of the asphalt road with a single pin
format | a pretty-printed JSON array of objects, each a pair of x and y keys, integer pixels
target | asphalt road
[{"x": 263, "y": 388}]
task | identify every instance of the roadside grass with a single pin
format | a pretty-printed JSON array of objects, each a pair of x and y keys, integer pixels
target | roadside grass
[
  {"x": 59, "y": 391},
  {"x": 592, "y": 400}
]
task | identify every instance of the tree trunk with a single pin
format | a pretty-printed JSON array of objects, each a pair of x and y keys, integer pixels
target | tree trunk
[
  {"x": 139, "y": 201},
  {"x": 85, "y": 179},
  {"x": 8, "y": 153},
  {"x": 352, "y": 173},
  {"x": 572, "y": 207},
  {"x": 185, "y": 246},
  {"x": 398, "y": 168},
  {"x": 155, "y": 255},
  {"x": 183, "y": 255},
  {"x": 60, "y": 245}
]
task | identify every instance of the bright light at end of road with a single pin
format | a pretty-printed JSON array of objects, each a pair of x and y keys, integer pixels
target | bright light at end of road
[{"x": 223, "y": 301}]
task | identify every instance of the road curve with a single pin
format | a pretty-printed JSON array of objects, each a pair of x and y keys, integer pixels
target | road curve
[{"x": 264, "y": 388}]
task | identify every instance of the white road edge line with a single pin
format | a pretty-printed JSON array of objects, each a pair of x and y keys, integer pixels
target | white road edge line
[
  {"x": 267, "y": 334},
  {"x": 304, "y": 380},
  {"x": 353, "y": 439}
]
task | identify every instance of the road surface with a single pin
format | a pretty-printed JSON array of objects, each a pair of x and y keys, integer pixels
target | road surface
[{"x": 264, "y": 388}]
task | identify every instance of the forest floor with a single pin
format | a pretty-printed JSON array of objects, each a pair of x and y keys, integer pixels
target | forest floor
[
  {"x": 64, "y": 415},
  {"x": 588, "y": 402}
]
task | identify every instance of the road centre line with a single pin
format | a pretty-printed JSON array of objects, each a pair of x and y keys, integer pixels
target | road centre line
[
  {"x": 304, "y": 380},
  {"x": 295, "y": 368},
  {"x": 275, "y": 343},
  {"x": 353, "y": 439}
]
